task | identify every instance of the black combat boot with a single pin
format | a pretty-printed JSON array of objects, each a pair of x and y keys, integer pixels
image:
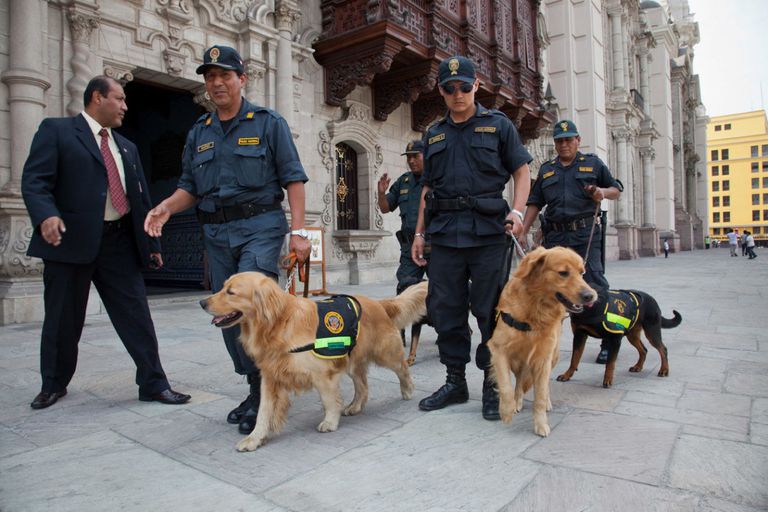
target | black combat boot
[
  {"x": 454, "y": 391},
  {"x": 602, "y": 357},
  {"x": 235, "y": 416},
  {"x": 490, "y": 398},
  {"x": 248, "y": 419}
]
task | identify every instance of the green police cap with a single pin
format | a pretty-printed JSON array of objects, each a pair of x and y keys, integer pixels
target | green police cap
[
  {"x": 224, "y": 57},
  {"x": 414, "y": 147},
  {"x": 456, "y": 68},
  {"x": 564, "y": 128}
]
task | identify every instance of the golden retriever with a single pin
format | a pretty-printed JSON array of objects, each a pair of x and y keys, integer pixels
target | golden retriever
[
  {"x": 273, "y": 322},
  {"x": 526, "y": 340}
]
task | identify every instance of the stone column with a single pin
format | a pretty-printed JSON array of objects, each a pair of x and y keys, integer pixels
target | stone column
[
  {"x": 645, "y": 90},
  {"x": 649, "y": 186},
  {"x": 624, "y": 206},
  {"x": 82, "y": 22},
  {"x": 286, "y": 13},
  {"x": 617, "y": 43},
  {"x": 20, "y": 281}
]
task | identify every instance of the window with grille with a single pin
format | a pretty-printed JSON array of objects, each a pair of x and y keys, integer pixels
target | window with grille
[{"x": 347, "y": 215}]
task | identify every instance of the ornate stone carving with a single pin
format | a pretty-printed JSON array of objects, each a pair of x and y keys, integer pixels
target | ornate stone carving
[
  {"x": 121, "y": 74},
  {"x": 286, "y": 15},
  {"x": 344, "y": 77},
  {"x": 174, "y": 62},
  {"x": 231, "y": 10},
  {"x": 15, "y": 234},
  {"x": 82, "y": 25}
]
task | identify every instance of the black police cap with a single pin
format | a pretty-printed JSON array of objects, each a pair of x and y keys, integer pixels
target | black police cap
[{"x": 224, "y": 57}]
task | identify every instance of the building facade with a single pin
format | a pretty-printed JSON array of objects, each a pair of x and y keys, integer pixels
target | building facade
[
  {"x": 737, "y": 175},
  {"x": 355, "y": 80}
]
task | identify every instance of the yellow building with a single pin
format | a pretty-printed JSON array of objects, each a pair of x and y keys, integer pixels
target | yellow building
[{"x": 737, "y": 175}]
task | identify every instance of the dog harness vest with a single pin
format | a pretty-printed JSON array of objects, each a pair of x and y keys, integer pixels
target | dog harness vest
[
  {"x": 621, "y": 311},
  {"x": 337, "y": 327}
]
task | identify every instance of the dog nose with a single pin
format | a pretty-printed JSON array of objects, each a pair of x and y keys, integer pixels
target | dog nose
[
  {"x": 587, "y": 295},
  {"x": 204, "y": 303}
]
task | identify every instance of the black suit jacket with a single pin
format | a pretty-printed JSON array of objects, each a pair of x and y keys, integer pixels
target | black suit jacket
[{"x": 65, "y": 176}]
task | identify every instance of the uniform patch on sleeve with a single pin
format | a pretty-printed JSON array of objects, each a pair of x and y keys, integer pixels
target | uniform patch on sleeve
[
  {"x": 205, "y": 147},
  {"x": 548, "y": 174},
  {"x": 586, "y": 169},
  {"x": 437, "y": 138},
  {"x": 248, "y": 141},
  {"x": 485, "y": 129}
]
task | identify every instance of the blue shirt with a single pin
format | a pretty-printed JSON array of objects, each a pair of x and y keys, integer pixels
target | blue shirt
[
  {"x": 405, "y": 193},
  {"x": 475, "y": 158},
  {"x": 253, "y": 161},
  {"x": 561, "y": 188}
]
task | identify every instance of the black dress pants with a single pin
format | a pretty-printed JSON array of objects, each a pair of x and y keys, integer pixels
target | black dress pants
[{"x": 116, "y": 273}]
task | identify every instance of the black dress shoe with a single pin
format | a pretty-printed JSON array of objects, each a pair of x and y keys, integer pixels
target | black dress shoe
[
  {"x": 448, "y": 394},
  {"x": 45, "y": 399},
  {"x": 167, "y": 396},
  {"x": 602, "y": 357}
]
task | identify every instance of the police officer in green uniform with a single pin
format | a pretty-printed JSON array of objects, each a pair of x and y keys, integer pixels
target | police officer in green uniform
[
  {"x": 405, "y": 194},
  {"x": 469, "y": 157},
  {"x": 571, "y": 186},
  {"x": 236, "y": 163}
]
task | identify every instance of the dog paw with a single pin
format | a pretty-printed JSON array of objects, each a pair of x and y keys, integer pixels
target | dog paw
[
  {"x": 350, "y": 410},
  {"x": 506, "y": 412},
  {"x": 549, "y": 405},
  {"x": 411, "y": 360},
  {"x": 564, "y": 377},
  {"x": 541, "y": 429},
  {"x": 607, "y": 384},
  {"x": 249, "y": 444},
  {"x": 664, "y": 372},
  {"x": 636, "y": 369},
  {"x": 327, "y": 426}
]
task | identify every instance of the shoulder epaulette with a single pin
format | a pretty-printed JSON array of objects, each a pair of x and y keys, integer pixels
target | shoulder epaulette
[{"x": 206, "y": 118}]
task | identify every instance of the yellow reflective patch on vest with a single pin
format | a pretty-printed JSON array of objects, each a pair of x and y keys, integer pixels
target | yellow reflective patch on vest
[
  {"x": 205, "y": 147},
  {"x": 586, "y": 169},
  {"x": 548, "y": 174},
  {"x": 248, "y": 141},
  {"x": 485, "y": 129},
  {"x": 437, "y": 138}
]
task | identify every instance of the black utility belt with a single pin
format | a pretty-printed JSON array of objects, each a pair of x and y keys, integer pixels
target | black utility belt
[
  {"x": 235, "y": 212},
  {"x": 486, "y": 205},
  {"x": 574, "y": 225}
]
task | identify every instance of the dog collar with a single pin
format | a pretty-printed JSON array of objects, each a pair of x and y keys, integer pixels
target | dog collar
[{"x": 516, "y": 324}]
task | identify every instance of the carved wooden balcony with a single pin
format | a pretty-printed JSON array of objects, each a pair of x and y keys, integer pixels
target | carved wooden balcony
[{"x": 395, "y": 47}]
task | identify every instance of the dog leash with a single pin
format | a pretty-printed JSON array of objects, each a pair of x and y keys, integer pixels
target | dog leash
[
  {"x": 595, "y": 218},
  {"x": 291, "y": 263}
]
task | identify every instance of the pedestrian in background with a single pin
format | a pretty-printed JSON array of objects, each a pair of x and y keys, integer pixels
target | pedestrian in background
[{"x": 666, "y": 248}]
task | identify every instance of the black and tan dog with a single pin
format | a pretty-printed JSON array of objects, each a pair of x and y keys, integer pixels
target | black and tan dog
[{"x": 616, "y": 314}]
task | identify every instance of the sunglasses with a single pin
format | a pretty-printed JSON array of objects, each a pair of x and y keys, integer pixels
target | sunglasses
[{"x": 465, "y": 88}]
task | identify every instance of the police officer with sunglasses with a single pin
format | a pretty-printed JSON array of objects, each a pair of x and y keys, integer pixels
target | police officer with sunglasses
[{"x": 469, "y": 157}]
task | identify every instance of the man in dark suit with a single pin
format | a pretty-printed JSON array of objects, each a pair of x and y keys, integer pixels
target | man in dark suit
[{"x": 86, "y": 194}]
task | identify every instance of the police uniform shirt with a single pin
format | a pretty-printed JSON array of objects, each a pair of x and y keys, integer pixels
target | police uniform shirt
[
  {"x": 405, "y": 193},
  {"x": 562, "y": 189},
  {"x": 252, "y": 162},
  {"x": 476, "y": 159}
]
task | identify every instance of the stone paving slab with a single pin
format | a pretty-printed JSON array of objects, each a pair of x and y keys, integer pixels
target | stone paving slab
[{"x": 694, "y": 441}]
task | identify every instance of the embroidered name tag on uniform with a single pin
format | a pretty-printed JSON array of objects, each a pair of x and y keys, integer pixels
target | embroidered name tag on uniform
[
  {"x": 204, "y": 147},
  {"x": 437, "y": 138},
  {"x": 585, "y": 169},
  {"x": 485, "y": 129},
  {"x": 548, "y": 174},
  {"x": 403, "y": 191},
  {"x": 248, "y": 141}
]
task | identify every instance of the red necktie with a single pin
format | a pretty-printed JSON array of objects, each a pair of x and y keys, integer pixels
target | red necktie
[{"x": 116, "y": 191}]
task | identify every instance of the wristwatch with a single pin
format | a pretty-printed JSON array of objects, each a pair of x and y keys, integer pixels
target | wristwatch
[
  {"x": 421, "y": 235},
  {"x": 303, "y": 233},
  {"x": 518, "y": 213}
]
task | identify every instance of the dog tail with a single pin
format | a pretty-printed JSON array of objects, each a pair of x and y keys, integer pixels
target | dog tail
[
  {"x": 668, "y": 323},
  {"x": 409, "y": 307}
]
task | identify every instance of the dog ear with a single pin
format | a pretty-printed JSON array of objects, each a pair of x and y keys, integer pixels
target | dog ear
[
  {"x": 532, "y": 263},
  {"x": 268, "y": 300}
]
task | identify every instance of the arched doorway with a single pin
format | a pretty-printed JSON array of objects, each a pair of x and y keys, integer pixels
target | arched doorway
[{"x": 157, "y": 121}]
